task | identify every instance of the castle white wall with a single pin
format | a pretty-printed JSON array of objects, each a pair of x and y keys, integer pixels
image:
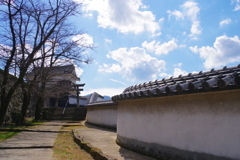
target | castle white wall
[
  {"x": 73, "y": 100},
  {"x": 203, "y": 122},
  {"x": 102, "y": 115}
]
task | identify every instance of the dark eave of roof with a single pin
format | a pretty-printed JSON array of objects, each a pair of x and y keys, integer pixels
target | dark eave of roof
[{"x": 213, "y": 80}]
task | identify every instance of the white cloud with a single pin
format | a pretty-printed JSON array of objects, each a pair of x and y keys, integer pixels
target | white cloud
[
  {"x": 79, "y": 71},
  {"x": 90, "y": 15},
  {"x": 108, "y": 40},
  {"x": 176, "y": 13},
  {"x": 159, "y": 49},
  {"x": 225, "y": 22},
  {"x": 190, "y": 10},
  {"x": 237, "y": 4},
  {"x": 144, "y": 6},
  {"x": 161, "y": 20},
  {"x": 110, "y": 68},
  {"x": 225, "y": 50},
  {"x": 135, "y": 64},
  {"x": 5, "y": 51},
  {"x": 103, "y": 91},
  {"x": 149, "y": 46},
  {"x": 114, "y": 80},
  {"x": 177, "y": 65},
  {"x": 178, "y": 71},
  {"x": 166, "y": 47},
  {"x": 83, "y": 39},
  {"x": 165, "y": 75},
  {"x": 123, "y": 15},
  {"x": 194, "y": 49},
  {"x": 156, "y": 34},
  {"x": 195, "y": 29}
]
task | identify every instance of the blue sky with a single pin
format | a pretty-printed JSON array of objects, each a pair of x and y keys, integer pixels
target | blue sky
[{"x": 142, "y": 40}]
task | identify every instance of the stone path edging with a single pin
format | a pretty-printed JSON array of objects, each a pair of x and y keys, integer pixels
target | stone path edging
[{"x": 96, "y": 153}]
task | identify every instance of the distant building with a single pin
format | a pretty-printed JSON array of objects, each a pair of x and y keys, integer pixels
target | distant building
[
  {"x": 60, "y": 82},
  {"x": 61, "y": 75}
]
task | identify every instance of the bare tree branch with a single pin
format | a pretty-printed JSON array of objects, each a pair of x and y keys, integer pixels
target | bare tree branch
[{"x": 36, "y": 33}]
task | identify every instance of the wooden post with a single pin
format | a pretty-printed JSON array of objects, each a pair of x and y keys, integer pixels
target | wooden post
[
  {"x": 76, "y": 87},
  {"x": 77, "y": 98}
]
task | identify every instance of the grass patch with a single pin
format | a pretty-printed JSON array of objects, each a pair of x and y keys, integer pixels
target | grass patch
[
  {"x": 65, "y": 147},
  {"x": 5, "y": 135},
  {"x": 31, "y": 121},
  {"x": 8, "y": 134},
  {"x": 28, "y": 124},
  {"x": 72, "y": 125}
]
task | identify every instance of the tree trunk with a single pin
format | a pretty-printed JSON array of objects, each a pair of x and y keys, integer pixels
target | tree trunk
[
  {"x": 39, "y": 107},
  {"x": 3, "y": 110},
  {"x": 26, "y": 102},
  {"x": 7, "y": 96}
]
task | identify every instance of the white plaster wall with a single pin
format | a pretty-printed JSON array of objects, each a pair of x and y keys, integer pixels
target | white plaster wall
[
  {"x": 206, "y": 122},
  {"x": 73, "y": 100},
  {"x": 61, "y": 77},
  {"x": 102, "y": 115}
]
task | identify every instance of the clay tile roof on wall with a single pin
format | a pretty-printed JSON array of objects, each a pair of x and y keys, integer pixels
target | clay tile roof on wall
[{"x": 214, "y": 80}]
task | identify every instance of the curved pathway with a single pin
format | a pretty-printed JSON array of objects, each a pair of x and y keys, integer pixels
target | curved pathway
[{"x": 105, "y": 140}]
